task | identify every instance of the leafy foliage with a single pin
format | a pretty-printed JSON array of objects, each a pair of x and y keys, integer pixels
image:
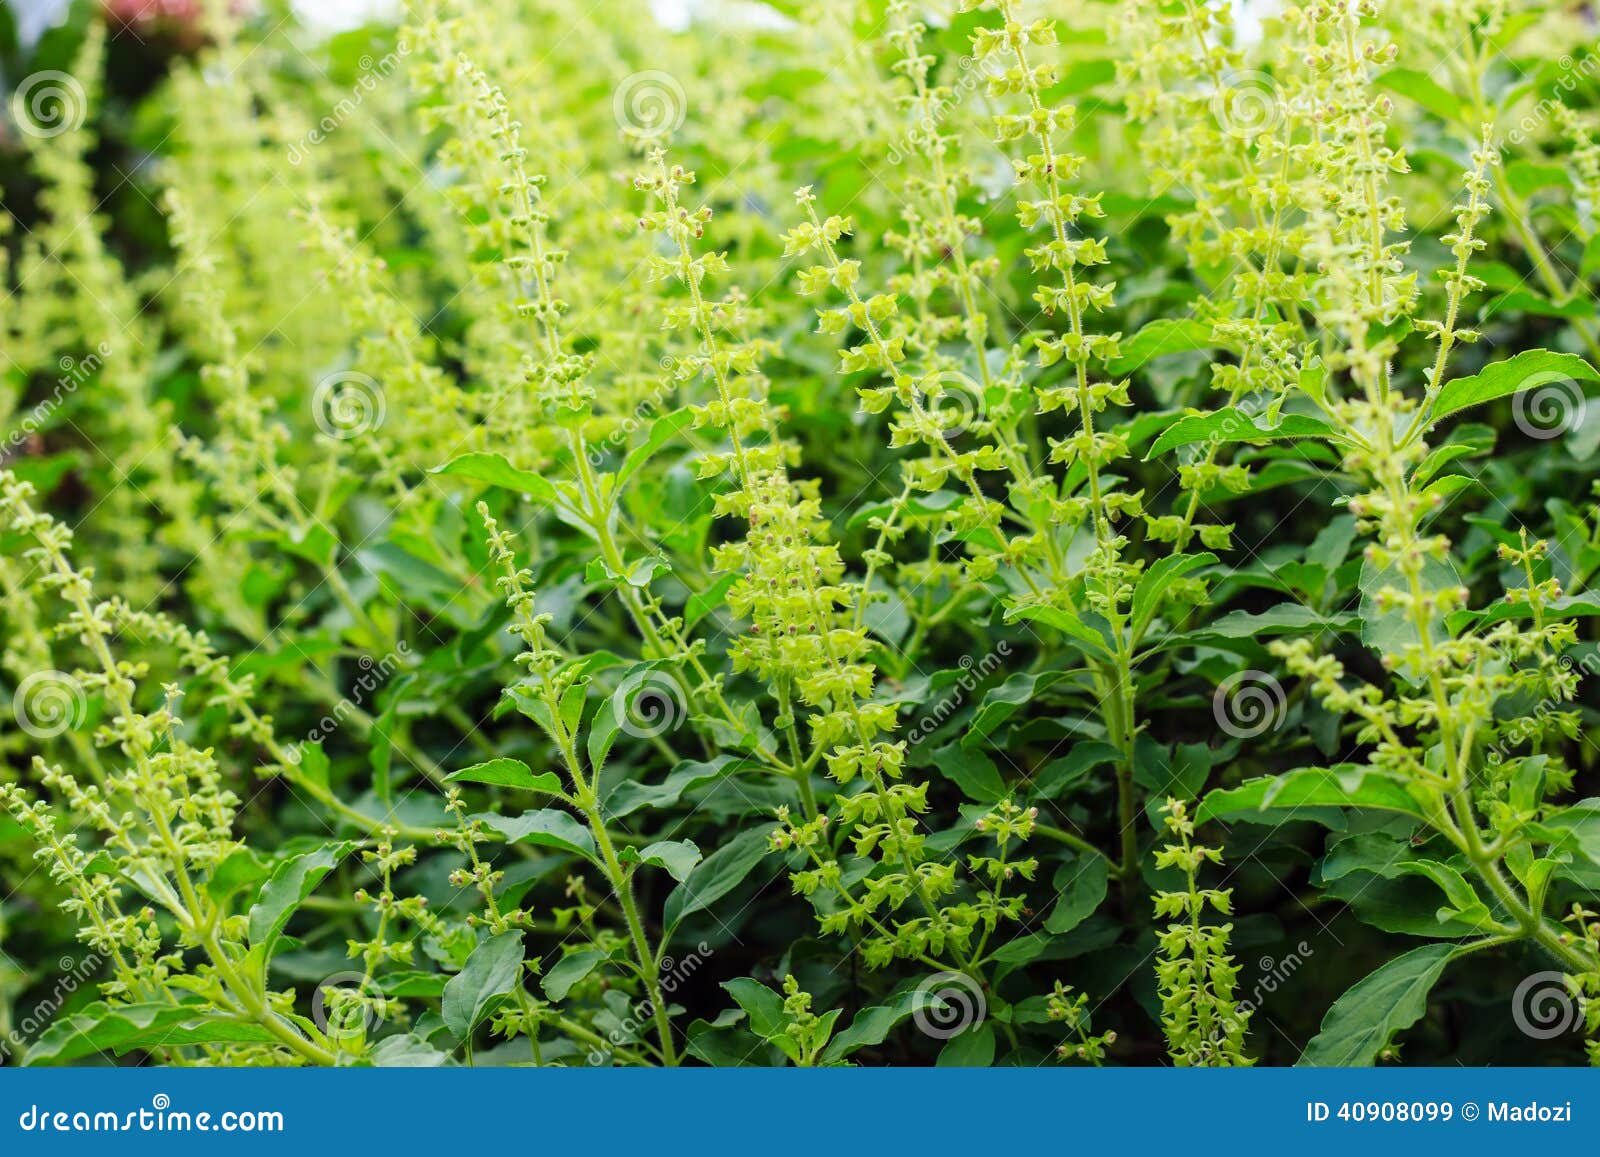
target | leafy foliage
[{"x": 861, "y": 533}]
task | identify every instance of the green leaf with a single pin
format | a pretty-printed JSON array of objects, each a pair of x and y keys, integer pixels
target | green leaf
[
  {"x": 314, "y": 763},
  {"x": 493, "y": 969},
  {"x": 1526, "y": 301},
  {"x": 103, "y": 1028},
  {"x": 972, "y": 771},
  {"x": 407, "y": 1051},
  {"x": 494, "y": 470},
  {"x": 871, "y": 1026},
  {"x": 1590, "y": 262},
  {"x": 1392, "y": 632},
  {"x": 1060, "y": 774},
  {"x": 1069, "y": 623},
  {"x": 1311, "y": 787},
  {"x": 629, "y": 796},
  {"x": 663, "y": 430},
  {"x": 531, "y": 703},
  {"x": 1180, "y": 772},
  {"x": 504, "y": 772},
  {"x": 1528, "y": 177},
  {"x": 284, "y": 891},
  {"x": 547, "y": 828},
  {"x": 1426, "y": 92},
  {"x": 763, "y": 1006},
  {"x": 678, "y": 857},
  {"x": 1520, "y": 372},
  {"x": 1361, "y": 1023},
  {"x": 603, "y": 733},
  {"x": 1159, "y": 338},
  {"x": 1001, "y": 703},
  {"x": 1282, "y": 619},
  {"x": 1464, "y": 903},
  {"x": 1085, "y": 890},
  {"x": 569, "y": 970},
  {"x": 708, "y": 600},
  {"x": 1231, "y": 425},
  {"x": 1573, "y": 829},
  {"x": 1157, "y": 581},
  {"x": 973, "y": 1049},
  {"x": 718, "y": 874}
]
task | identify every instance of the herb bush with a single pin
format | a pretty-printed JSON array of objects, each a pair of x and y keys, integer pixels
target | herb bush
[{"x": 861, "y": 533}]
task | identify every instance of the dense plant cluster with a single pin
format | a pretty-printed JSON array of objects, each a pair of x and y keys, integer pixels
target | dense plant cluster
[{"x": 864, "y": 532}]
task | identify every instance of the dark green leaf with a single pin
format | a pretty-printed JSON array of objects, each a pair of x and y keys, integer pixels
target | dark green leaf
[
  {"x": 1520, "y": 372},
  {"x": 1362, "y": 1022},
  {"x": 493, "y": 969},
  {"x": 505, "y": 772}
]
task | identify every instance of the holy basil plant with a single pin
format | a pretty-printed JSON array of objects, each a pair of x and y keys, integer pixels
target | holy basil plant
[{"x": 867, "y": 533}]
